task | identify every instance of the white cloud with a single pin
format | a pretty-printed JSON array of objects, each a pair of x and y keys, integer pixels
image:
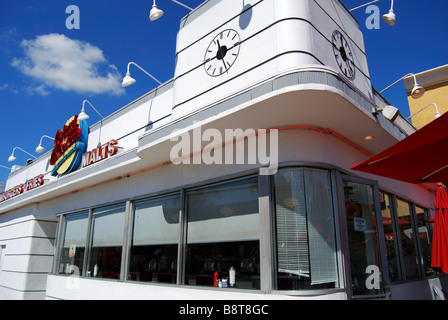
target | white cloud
[
  {"x": 6, "y": 87},
  {"x": 71, "y": 65},
  {"x": 40, "y": 90}
]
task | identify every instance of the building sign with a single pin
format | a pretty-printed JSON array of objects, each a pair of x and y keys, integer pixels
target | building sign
[
  {"x": 13, "y": 192},
  {"x": 34, "y": 183},
  {"x": 69, "y": 146},
  {"x": 359, "y": 224},
  {"x": 102, "y": 152},
  {"x": 21, "y": 188}
]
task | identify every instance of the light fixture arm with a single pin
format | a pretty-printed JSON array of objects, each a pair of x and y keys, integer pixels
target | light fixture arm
[
  {"x": 45, "y": 137},
  {"x": 83, "y": 104},
  {"x": 409, "y": 74},
  {"x": 5, "y": 167},
  {"x": 181, "y": 4},
  {"x": 129, "y": 64},
  {"x": 187, "y": 7},
  {"x": 39, "y": 148},
  {"x": 392, "y": 6},
  {"x": 364, "y": 5},
  {"x": 417, "y": 90},
  {"x": 23, "y": 151},
  {"x": 369, "y": 3},
  {"x": 437, "y": 111}
]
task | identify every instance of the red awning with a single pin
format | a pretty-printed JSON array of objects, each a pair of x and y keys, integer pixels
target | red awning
[{"x": 421, "y": 157}]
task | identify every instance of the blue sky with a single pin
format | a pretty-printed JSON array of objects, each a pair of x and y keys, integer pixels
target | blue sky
[{"x": 47, "y": 70}]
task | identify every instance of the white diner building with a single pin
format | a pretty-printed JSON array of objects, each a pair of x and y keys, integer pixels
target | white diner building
[{"x": 233, "y": 180}]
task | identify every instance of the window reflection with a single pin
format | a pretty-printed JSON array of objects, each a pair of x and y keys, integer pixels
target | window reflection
[
  {"x": 154, "y": 240},
  {"x": 390, "y": 238},
  {"x": 362, "y": 237},
  {"x": 74, "y": 243},
  {"x": 306, "y": 247},
  {"x": 223, "y": 234},
  {"x": 424, "y": 237},
  {"x": 407, "y": 240},
  {"x": 107, "y": 242}
]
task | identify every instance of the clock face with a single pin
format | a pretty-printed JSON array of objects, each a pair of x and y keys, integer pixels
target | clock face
[
  {"x": 343, "y": 54},
  {"x": 222, "y": 53}
]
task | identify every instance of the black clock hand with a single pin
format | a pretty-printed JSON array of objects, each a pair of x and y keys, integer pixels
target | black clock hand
[{"x": 221, "y": 54}]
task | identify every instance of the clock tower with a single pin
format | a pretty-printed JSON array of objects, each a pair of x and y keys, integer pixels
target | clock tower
[{"x": 225, "y": 47}]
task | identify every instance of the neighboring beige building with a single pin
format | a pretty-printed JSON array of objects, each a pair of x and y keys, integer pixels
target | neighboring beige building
[{"x": 435, "y": 82}]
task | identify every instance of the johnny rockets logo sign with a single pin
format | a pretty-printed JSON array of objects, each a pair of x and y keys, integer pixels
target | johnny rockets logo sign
[{"x": 70, "y": 144}]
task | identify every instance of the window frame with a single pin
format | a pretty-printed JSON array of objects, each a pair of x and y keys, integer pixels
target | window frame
[
  {"x": 60, "y": 238},
  {"x": 124, "y": 244},
  {"x": 130, "y": 231},
  {"x": 396, "y": 234},
  {"x": 334, "y": 187},
  {"x": 345, "y": 238},
  {"x": 417, "y": 242},
  {"x": 420, "y": 258},
  {"x": 267, "y": 239},
  {"x": 184, "y": 226}
]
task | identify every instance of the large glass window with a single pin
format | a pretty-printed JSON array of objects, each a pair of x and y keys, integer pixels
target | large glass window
[
  {"x": 73, "y": 243},
  {"x": 107, "y": 242},
  {"x": 410, "y": 263},
  {"x": 423, "y": 237},
  {"x": 362, "y": 239},
  {"x": 306, "y": 243},
  {"x": 223, "y": 235},
  {"x": 400, "y": 226},
  {"x": 390, "y": 237},
  {"x": 155, "y": 240}
]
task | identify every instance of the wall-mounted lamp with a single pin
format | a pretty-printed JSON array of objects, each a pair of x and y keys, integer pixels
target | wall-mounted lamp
[
  {"x": 12, "y": 158},
  {"x": 83, "y": 115},
  {"x": 39, "y": 148},
  {"x": 416, "y": 92},
  {"x": 389, "y": 112},
  {"x": 156, "y": 13},
  {"x": 128, "y": 80},
  {"x": 389, "y": 18},
  {"x": 438, "y": 115}
]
